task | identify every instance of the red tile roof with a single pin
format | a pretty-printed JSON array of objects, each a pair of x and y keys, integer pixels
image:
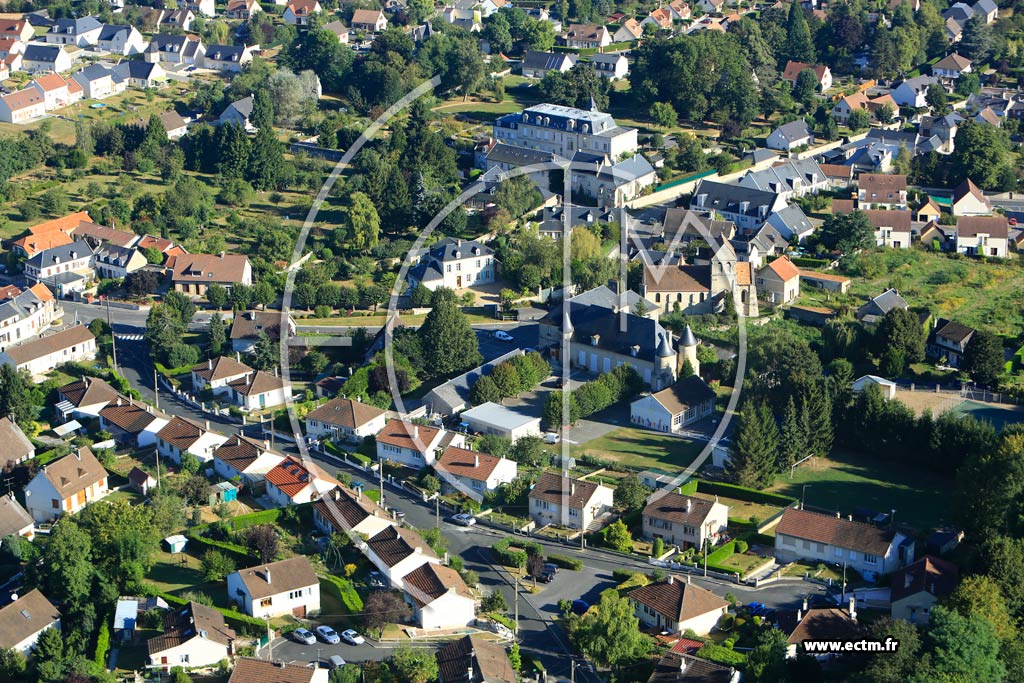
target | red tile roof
[
  {"x": 835, "y": 531},
  {"x": 462, "y": 462}
]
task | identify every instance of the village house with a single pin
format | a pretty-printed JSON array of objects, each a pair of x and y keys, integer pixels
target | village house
[
  {"x": 99, "y": 82},
  {"x": 194, "y": 636},
  {"x": 942, "y": 127},
  {"x": 132, "y": 423},
  {"x": 253, "y": 670},
  {"x": 121, "y": 40},
  {"x": 947, "y": 342},
  {"x": 676, "y": 606},
  {"x": 27, "y": 314},
  {"x": 677, "y": 666},
  {"x": 452, "y": 397},
  {"x": 672, "y": 409},
  {"x": 587, "y": 36},
  {"x": 439, "y": 597},
  {"x": 141, "y": 74},
  {"x": 344, "y": 419},
  {"x": 659, "y": 19},
  {"x": 507, "y": 422},
  {"x": 474, "y": 658},
  {"x": 454, "y": 264},
  {"x": 39, "y": 58},
  {"x": 472, "y": 473},
  {"x": 16, "y": 29},
  {"x": 982, "y": 236},
  {"x": 227, "y": 58},
  {"x": 216, "y": 374},
  {"x": 258, "y": 390},
  {"x": 180, "y": 436},
  {"x": 412, "y": 445},
  {"x": 141, "y": 481},
  {"x": 54, "y": 90},
  {"x": 885, "y": 386},
  {"x": 916, "y": 588},
  {"x": 928, "y": 211},
  {"x": 790, "y": 179},
  {"x": 247, "y": 326},
  {"x": 246, "y": 459},
  {"x": 14, "y": 519},
  {"x": 684, "y": 521},
  {"x": 969, "y": 200},
  {"x": 84, "y": 398},
  {"x": 571, "y": 503},
  {"x": 789, "y": 136},
  {"x": 242, "y": 9},
  {"x": 822, "y": 74},
  {"x": 817, "y": 537},
  {"x": 82, "y": 32},
  {"x": 115, "y": 262},
  {"x": 711, "y": 6},
  {"x": 748, "y": 208},
  {"x": 299, "y": 12},
  {"x": 892, "y": 228},
  {"x": 913, "y": 92},
  {"x": 779, "y": 281},
  {"x": 294, "y": 482},
  {"x": 538, "y": 64},
  {"x": 175, "y": 49},
  {"x": 610, "y": 66},
  {"x": 40, "y": 356},
  {"x": 860, "y": 101},
  {"x": 66, "y": 269},
  {"x": 22, "y": 106},
  {"x": 287, "y": 587},
  {"x": 950, "y": 68},
  {"x": 24, "y": 619},
  {"x": 344, "y": 510},
  {"x": 875, "y": 309},
  {"x": 369, "y": 21},
  {"x": 194, "y": 273},
  {"x": 628, "y": 31},
  {"x": 206, "y": 8},
  {"x": 820, "y": 623},
  {"x": 65, "y": 486},
  {"x": 339, "y": 29},
  {"x": 881, "y": 191},
  {"x": 396, "y": 551},
  {"x": 15, "y": 448}
]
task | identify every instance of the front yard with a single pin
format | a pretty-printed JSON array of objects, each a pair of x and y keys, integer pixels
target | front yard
[{"x": 642, "y": 449}]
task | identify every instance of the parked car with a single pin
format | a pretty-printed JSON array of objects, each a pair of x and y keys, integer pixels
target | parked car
[
  {"x": 580, "y": 607},
  {"x": 502, "y": 335},
  {"x": 463, "y": 519},
  {"x": 552, "y": 438},
  {"x": 756, "y": 608},
  {"x": 328, "y": 635},
  {"x": 352, "y": 637},
  {"x": 304, "y": 636},
  {"x": 335, "y": 662},
  {"x": 547, "y": 575}
]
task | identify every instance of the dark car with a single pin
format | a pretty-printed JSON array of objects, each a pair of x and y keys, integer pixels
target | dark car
[
  {"x": 547, "y": 575},
  {"x": 580, "y": 607}
]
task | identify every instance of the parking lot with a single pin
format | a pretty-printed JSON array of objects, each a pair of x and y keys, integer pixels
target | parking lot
[{"x": 523, "y": 337}]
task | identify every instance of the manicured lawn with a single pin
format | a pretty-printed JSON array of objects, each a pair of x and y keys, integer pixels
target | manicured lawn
[
  {"x": 641, "y": 448},
  {"x": 743, "y": 562},
  {"x": 131, "y": 497},
  {"x": 848, "y": 480},
  {"x": 742, "y": 509}
]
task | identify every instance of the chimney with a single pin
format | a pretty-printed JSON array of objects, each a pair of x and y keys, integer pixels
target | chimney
[
  {"x": 799, "y": 615},
  {"x": 682, "y": 665},
  {"x": 476, "y": 460},
  {"x": 14, "y": 597},
  {"x": 238, "y": 357},
  {"x": 849, "y": 518},
  {"x": 118, "y": 401},
  {"x": 266, "y": 573},
  {"x": 209, "y": 364},
  {"x": 805, "y": 603},
  {"x": 689, "y": 504},
  {"x": 671, "y": 579},
  {"x": 266, "y": 444},
  {"x": 687, "y": 579},
  {"x": 853, "y": 607},
  {"x": 572, "y": 488},
  {"x": 207, "y": 425},
  {"x": 838, "y": 515}
]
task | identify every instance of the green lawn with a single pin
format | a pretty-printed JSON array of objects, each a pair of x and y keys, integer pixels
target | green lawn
[
  {"x": 641, "y": 448},
  {"x": 742, "y": 563},
  {"x": 847, "y": 480},
  {"x": 742, "y": 509}
]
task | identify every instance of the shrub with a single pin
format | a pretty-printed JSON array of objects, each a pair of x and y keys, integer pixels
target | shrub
[
  {"x": 741, "y": 547},
  {"x": 658, "y": 548},
  {"x": 569, "y": 563},
  {"x": 744, "y": 493}
]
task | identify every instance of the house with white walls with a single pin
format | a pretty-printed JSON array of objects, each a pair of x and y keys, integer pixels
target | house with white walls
[
  {"x": 181, "y": 436},
  {"x": 413, "y": 445},
  {"x": 287, "y": 587},
  {"x": 65, "y": 486},
  {"x": 24, "y": 619},
  {"x": 396, "y": 551}
]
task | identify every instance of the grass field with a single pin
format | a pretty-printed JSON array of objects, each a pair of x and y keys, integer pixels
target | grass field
[
  {"x": 846, "y": 480},
  {"x": 981, "y": 294},
  {"x": 641, "y": 448},
  {"x": 742, "y": 509}
]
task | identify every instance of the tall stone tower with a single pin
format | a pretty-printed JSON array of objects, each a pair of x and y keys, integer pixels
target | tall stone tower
[
  {"x": 688, "y": 352},
  {"x": 665, "y": 359}
]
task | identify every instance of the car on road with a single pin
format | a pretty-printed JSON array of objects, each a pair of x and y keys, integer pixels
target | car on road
[
  {"x": 580, "y": 607},
  {"x": 502, "y": 335},
  {"x": 756, "y": 608},
  {"x": 328, "y": 635},
  {"x": 552, "y": 438},
  {"x": 352, "y": 637},
  {"x": 335, "y": 662},
  {"x": 547, "y": 575},
  {"x": 463, "y": 519},
  {"x": 304, "y": 636}
]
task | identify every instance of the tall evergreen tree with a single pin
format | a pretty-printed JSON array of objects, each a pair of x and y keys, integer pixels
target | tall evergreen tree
[
  {"x": 799, "y": 44},
  {"x": 792, "y": 436},
  {"x": 14, "y": 397},
  {"x": 817, "y": 409},
  {"x": 262, "y": 110},
  {"x": 266, "y": 160},
  {"x": 753, "y": 456},
  {"x": 218, "y": 335},
  {"x": 449, "y": 343},
  {"x": 232, "y": 150}
]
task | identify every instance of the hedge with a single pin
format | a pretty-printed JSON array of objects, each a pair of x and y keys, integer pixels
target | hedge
[
  {"x": 723, "y": 552},
  {"x": 744, "y": 493},
  {"x": 233, "y": 617},
  {"x": 255, "y": 518},
  {"x": 102, "y": 644},
  {"x": 566, "y": 562},
  {"x": 721, "y": 655},
  {"x": 623, "y": 575},
  {"x": 515, "y": 558},
  {"x": 809, "y": 262},
  {"x": 230, "y": 548},
  {"x": 503, "y": 620},
  {"x": 344, "y": 591}
]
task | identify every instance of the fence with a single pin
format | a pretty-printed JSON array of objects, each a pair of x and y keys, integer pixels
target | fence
[{"x": 967, "y": 393}]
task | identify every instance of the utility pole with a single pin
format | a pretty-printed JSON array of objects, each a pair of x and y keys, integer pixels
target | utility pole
[
  {"x": 113, "y": 338},
  {"x": 572, "y": 671},
  {"x": 380, "y": 470},
  {"x": 437, "y": 516},
  {"x": 156, "y": 389},
  {"x": 272, "y": 411},
  {"x": 270, "y": 641},
  {"x": 844, "y": 582},
  {"x": 515, "y": 631},
  {"x": 706, "y": 540}
]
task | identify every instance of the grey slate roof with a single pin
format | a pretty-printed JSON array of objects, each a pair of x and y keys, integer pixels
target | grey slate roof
[
  {"x": 794, "y": 130},
  {"x": 452, "y": 396},
  {"x": 606, "y": 324},
  {"x": 133, "y": 68},
  {"x": 728, "y": 198},
  {"x": 225, "y": 53},
  {"x": 521, "y": 156},
  {"x": 888, "y": 300},
  {"x": 76, "y": 26},
  {"x": 110, "y": 31},
  {"x": 785, "y": 176},
  {"x": 36, "y": 52},
  {"x": 66, "y": 252},
  {"x": 547, "y": 60}
]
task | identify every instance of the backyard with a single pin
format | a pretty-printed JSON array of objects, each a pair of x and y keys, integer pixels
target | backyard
[
  {"x": 743, "y": 510},
  {"x": 848, "y": 480},
  {"x": 641, "y": 449}
]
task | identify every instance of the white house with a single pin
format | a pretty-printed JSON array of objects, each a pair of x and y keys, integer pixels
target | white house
[
  {"x": 194, "y": 636},
  {"x": 951, "y": 67},
  {"x": 916, "y": 588},
  {"x": 299, "y": 12},
  {"x": 175, "y": 49},
  {"x": 227, "y": 58},
  {"x": 206, "y": 8},
  {"x": 789, "y": 136},
  {"x": 132, "y": 423},
  {"x": 250, "y": 670},
  {"x": 84, "y": 398},
  {"x": 494, "y": 418},
  {"x": 982, "y": 236},
  {"x": 369, "y": 21},
  {"x": 817, "y": 537},
  {"x": 887, "y": 387},
  {"x": 969, "y": 200},
  {"x": 82, "y": 32},
  {"x": 98, "y": 81},
  {"x": 396, "y": 551},
  {"x": 587, "y": 36},
  {"x": 16, "y": 29},
  {"x": 439, "y": 597},
  {"x": 245, "y": 458},
  {"x": 779, "y": 281},
  {"x": 412, "y": 445},
  {"x": 40, "y": 356},
  {"x": 121, "y": 40},
  {"x": 684, "y": 521},
  {"x": 15, "y": 447},
  {"x": 455, "y": 264},
  {"x": 247, "y": 326},
  {"x": 294, "y": 482},
  {"x": 611, "y": 66},
  {"x": 343, "y": 419},
  {"x": 14, "y": 519},
  {"x": 287, "y": 587},
  {"x": 258, "y": 390},
  {"x": 24, "y": 619},
  {"x": 50, "y": 266},
  {"x": 65, "y": 486},
  {"x": 892, "y": 227},
  {"x": 181, "y": 436},
  {"x": 39, "y": 58},
  {"x": 27, "y": 314},
  {"x": 141, "y": 74},
  {"x": 913, "y": 92},
  {"x": 22, "y": 106},
  {"x": 242, "y": 9},
  {"x": 473, "y": 473},
  {"x": 216, "y": 374},
  {"x": 112, "y": 261},
  {"x": 566, "y": 502},
  {"x": 670, "y": 410},
  {"x": 675, "y": 605},
  {"x": 54, "y": 90},
  {"x": 344, "y": 510}
]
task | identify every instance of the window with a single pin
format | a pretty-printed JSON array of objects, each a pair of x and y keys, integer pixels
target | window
[
  {"x": 55, "y": 504},
  {"x": 573, "y": 512},
  {"x": 184, "y": 659},
  {"x": 870, "y": 559},
  {"x": 266, "y": 602},
  {"x": 838, "y": 552}
]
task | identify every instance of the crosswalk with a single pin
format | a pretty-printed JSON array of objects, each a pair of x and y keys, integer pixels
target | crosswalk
[{"x": 129, "y": 337}]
